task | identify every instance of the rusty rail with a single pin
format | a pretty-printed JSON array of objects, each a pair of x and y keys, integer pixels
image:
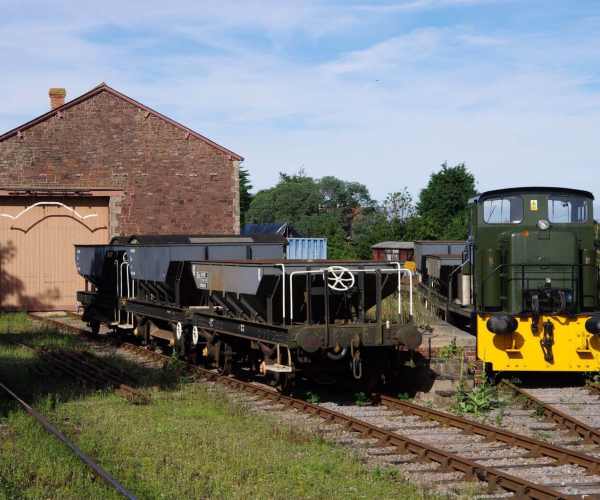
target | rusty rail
[
  {"x": 593, "y": 387},
  {"x": 589, "y": 434},
  {"x": 450, "y": 462},
  {"x": 53, "y": 430},
  {"x": 536, "y": 448},
  {"x": 88, "y": 373}
]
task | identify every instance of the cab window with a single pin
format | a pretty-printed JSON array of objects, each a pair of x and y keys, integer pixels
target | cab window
[
  {"x": 567, "y": 209},
  {"x": 506, "y": 210}
]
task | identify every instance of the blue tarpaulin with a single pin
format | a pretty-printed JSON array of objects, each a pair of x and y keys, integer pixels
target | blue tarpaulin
[{"x": 281, "y": 228}]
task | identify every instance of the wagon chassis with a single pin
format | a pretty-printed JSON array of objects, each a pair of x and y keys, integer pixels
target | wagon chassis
[{"x": 339, "y": 334}]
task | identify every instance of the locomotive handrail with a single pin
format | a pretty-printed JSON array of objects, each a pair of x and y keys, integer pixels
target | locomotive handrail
[
  {"x": 459, "y": 267},
  {"x": 523, "y": 266}
]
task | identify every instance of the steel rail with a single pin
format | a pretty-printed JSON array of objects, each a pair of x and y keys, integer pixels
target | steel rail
[
  {"x": 589, "y": 434},
  {"x": 95, "y": 375},
  {"x": 593, "y": 387},
  {"x": 111, "y": 370},
  {"x": 57, "y": 367},
  {"x": 84, "y": 373},
  {"x": 53, "y": 430},
  {"x": 536, "y": 448},
  {"x": 450, "y": 462}
]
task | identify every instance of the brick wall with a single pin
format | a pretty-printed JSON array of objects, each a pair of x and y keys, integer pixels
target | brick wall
[
  {"x": 470, "y": 355},
  {"x": 172, "y": 182}
]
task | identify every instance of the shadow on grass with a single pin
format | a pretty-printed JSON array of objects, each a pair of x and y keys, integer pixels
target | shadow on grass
[{"x": 38, "y": 383}]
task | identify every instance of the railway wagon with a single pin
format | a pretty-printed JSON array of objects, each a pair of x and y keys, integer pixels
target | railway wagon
[
  {"x": 527, "y": 280},
  {"x": 238, "y": 302}
]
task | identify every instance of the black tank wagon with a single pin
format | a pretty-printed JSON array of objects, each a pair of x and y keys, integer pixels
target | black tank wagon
[{"x": 235, "y": 300}]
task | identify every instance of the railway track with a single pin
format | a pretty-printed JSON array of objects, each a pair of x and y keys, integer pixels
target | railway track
[
  {"x": 96, "y": 469},
  {"x": 593, "y": 387},
  {"x": 550, "y": 413},
  {"x": 475, "y": 451},
  {"x": 88, "y": 370}
]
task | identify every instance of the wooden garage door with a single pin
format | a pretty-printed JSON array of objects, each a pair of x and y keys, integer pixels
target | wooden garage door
[{"x": 37, "y": 258}]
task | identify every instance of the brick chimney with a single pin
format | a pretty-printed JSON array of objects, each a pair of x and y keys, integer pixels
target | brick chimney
[{"x": 57, "y": 97}]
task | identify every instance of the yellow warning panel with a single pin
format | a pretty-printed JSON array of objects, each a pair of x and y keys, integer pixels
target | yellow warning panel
[{"x": 572, "y": 348}]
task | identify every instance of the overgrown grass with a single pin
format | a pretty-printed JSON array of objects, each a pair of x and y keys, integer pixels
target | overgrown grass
[
  {"x": 192, "y": 441},
  {"x": 422, "y": 316}
]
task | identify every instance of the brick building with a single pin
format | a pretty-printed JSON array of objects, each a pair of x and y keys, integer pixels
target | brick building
[{"x": 99, "y": 166}]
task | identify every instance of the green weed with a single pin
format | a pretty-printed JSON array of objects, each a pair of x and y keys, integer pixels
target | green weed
[
  {"x": 422, "y": 316},
  {"x": 500, "y": 415},
  {"x": 313, "y": 398},
  {"x": 387, "y": 473},
  {"x": 541, "y": 436},
  {"x": 362, "y": 399},
  {"x": 450, "y": 351},
  {"x": 538, "y": 410},
  {"x": 480, "y": 400},
  {"x": 405, "y": 397}
]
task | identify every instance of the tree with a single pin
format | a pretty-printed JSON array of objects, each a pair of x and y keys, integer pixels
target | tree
[
  {"x": 329, "y": 208},
  {"x": 399, "y": 205},
  {"x": 443, "y": 204},
  {"x": 245, "y": 194},
  {"x": 388, "y": 222}
]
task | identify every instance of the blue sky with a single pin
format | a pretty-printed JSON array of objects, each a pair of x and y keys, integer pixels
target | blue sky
[{"x": 374, "y": 91}]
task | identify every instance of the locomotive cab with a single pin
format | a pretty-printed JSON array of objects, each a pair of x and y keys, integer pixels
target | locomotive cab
[{"x": 535, "y": 279}]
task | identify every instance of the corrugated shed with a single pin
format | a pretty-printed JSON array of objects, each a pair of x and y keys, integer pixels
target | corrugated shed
[{"x": 307, "y": 248}]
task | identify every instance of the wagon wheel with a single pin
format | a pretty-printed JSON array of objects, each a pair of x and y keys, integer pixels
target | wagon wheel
[
  {"x": 326, "y": 378},
  {"x": 225, "y": 361},
  {"x": 95, "y": 326},
  {"x": 195, "y": 351},
  {"x": 182, "y": 340},
  {"x": 284, "y": 382},
  {"x": 371, "y": 380}
]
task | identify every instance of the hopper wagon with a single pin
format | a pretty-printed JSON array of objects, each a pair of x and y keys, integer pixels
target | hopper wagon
[{"x": 228, "y": 301}]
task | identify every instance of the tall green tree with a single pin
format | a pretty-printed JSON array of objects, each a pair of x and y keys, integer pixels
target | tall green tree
[
  {"x": 399, "y": 205},
  {"x": 245, "y": 195},
  {"x": 442, "y": 209},
  {"x": 331, "y": 208}
]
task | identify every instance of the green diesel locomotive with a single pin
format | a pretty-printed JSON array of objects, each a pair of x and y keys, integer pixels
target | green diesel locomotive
[{"x": 527, "y": 280}]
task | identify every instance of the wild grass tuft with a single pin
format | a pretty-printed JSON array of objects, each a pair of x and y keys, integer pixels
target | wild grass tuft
[{"x": 422, "y": 316}]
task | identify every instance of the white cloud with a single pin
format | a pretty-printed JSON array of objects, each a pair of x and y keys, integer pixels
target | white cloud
[
  {"x": 410, "y": 48},
  {"x": 519, "y": 108},
  {"x": 416, "y": 5}
]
